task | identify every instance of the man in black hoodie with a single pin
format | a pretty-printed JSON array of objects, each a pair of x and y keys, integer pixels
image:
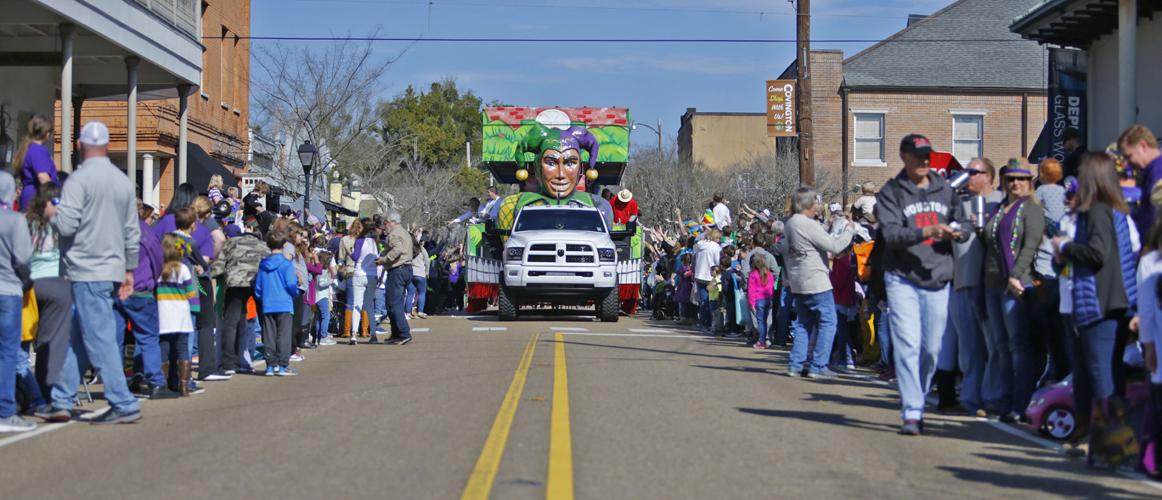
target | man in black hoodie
[{"x": 919, "y": 216}]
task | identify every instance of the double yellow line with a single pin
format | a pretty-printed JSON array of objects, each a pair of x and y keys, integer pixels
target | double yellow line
[{"x": 560, "y": 481}]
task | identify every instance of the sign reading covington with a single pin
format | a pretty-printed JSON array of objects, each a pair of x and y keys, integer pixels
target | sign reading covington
[{"x": 781, "y": 108}]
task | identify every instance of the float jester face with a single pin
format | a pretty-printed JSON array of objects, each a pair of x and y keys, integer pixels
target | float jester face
[{"x": 559, "y": 166}]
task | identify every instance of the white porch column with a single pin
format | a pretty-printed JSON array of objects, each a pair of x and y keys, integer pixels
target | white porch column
[
  {"x": 1127, "y": 84},
  {"x": 183, "y": 129},
  {"x": 148, "y": 189},
  {"x": 68, "y": 35},
  {"x": 131, "y": 64}
]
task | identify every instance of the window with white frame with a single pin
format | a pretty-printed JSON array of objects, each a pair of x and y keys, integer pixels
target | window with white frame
[
  {"x": 967, "y": 137},
  {"x": 869, "y": 138}
]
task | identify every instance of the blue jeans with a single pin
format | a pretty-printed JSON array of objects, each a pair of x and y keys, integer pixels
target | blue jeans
[
  {"x": 94, "y": 332},
  {"x": 323, "y": 319},
  {"x": 815, "y": 317},
  {"x": 761, "y": 309},
  {"x": 141, "y": 311},
  {"x": 10, "y": 321},
  {"x": 27, "y": 379},
  {"x": 380, "y": 306},
  {"x": 918, "y": 318},
  {"x": 1008, "y": 387},
  {"x": 843, "y": 334},
  {"x": 397, "y": 283},
  {"x": 964, "y": 320},
  {"x": 417, "y": 293},
  {"x": 704, "y": 310},
  {"x": 884, "y": 333},
  {"x": 783, "y": 317},
  {"x": 1092, "y": 349}
]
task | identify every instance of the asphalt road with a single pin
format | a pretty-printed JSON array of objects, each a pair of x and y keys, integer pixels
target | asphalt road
[{"x": 544, "y": 407}]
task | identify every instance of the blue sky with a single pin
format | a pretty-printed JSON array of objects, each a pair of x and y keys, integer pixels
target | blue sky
[{"x": 656, "y": 81}]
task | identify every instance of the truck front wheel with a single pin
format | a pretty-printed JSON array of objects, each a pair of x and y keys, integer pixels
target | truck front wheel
[
  {"x": 609, "y": 307},
  {"x": 508, "y": 308}
]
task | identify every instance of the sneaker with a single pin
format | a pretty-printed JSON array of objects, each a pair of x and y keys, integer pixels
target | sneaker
[
  {"x": 407, "y": 317},
  {"x": 793, "y": 373},
  {"x": 218, "y": 377},
  {"x": 759, "y": 346},
  {"x": 421, "y": 315},
  {"x": 230, "y": 373},
  {"x": 152, "y": 392},
  {"x": 297, "y": 358},
  {"x": 196, "y": 388},
  {"x": 352, "y": 341},
  {"x": 850, "y": 367},
  {"x": 982, "y": 413},
  {"x": 51, "y": 414},
  {"x": 270, "y": 371},
  {"x": 822, "y": 375},
  {"x": 327, "y": 341},
  {"x": 16, "y": 424},
  {"x": 910, "y": 428},
  {"x": 115, "y": 416},
  {"x": 400, "y": 341},
  {"x": 286, "y": 371},
  {"x": 375, "y": 339},
  {"x": 1011, "y": 417}
]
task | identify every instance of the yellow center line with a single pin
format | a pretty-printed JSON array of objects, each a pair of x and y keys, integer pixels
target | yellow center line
[
  {"x": 480, "y": 482},
  {"x": 560, "y": 485}
]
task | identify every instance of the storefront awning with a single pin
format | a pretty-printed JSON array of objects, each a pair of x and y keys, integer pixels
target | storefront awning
[{"x": 202, "y": 167}]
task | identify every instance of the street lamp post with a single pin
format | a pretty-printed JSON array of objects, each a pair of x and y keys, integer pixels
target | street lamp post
[
  {"x": 656, "y": 131},
  {"x": 307, "y": 153}
]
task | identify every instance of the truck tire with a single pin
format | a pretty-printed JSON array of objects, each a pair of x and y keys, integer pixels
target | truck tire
[
  {"x": 609, "y": 307},
  {"x": 508, "y": 308}
]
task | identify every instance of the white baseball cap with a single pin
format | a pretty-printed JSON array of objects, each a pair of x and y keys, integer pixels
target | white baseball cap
[{"x": 94, "y": 134}]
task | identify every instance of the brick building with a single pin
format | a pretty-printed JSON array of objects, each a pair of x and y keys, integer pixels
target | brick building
[
  {"x": 218, "y": 123},
  {"x": 958, "y": 76}
]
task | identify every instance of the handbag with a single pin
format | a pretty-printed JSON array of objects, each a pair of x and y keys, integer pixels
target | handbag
[{"x": 29, "y": 317}]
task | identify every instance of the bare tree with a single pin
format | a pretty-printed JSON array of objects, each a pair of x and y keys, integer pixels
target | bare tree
[
  {"x": 326, "y": 94},
  {"x": 661, "y": 183}
]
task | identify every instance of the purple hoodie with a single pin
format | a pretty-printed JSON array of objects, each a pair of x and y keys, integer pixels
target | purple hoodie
[
  {"x": 202, "y": 237},
  {"x": 149, "y": 261}
]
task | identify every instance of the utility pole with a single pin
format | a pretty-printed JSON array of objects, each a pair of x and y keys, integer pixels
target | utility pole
[
  {"x": 803, "y": 49},
  {"x": 659, "y": 135}
]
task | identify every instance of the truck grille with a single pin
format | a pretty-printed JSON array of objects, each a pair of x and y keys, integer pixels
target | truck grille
[{"x": 560, "y": 253}]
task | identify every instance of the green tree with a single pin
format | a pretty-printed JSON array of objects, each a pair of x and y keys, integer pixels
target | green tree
[{"x": 435, "y": 124}]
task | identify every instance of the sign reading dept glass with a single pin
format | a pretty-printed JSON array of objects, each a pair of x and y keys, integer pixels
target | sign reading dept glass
[{"x": 781, "y": 108}]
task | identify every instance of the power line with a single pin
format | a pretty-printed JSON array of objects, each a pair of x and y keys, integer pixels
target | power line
[
  {"x": 761, "y": 13},
  {"x": 601, "y": 40}
]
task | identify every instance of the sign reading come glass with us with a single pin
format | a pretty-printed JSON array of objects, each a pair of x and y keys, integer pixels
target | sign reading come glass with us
[{"x": 781, "y": 115}]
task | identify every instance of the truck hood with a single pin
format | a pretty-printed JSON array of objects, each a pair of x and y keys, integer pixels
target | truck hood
[{"x": 524, "y": 238}]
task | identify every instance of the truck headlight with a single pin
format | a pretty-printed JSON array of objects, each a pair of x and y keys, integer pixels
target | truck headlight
[
  {"x": 607, "y": 254},
  {"x": 514, "y": 253}
]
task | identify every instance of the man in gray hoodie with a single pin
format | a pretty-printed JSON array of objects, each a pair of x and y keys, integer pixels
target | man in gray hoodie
[
  {"x": 919, "y": 216},
  {"x": 15, "y": 251},
  {"x": 99, "y": 235}
]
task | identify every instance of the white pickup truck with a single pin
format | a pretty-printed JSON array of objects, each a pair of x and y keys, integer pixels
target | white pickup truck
[{"x": 559, "y": 255}]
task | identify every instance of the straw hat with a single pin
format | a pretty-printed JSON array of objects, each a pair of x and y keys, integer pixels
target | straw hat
[{"x": 624, "y": 195}]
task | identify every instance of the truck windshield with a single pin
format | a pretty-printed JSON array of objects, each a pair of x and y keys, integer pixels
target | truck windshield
[{"x": 567, "y": 220}]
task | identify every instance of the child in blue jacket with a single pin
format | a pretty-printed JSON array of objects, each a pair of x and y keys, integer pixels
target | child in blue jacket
[{"x": 275, "y": 288}]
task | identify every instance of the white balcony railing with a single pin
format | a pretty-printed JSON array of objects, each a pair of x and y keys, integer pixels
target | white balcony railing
[{"x": 181, "y": 14}]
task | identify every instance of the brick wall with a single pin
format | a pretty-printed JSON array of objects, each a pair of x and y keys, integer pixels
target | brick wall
[
  {"x": 932, "y": 115},
  {"x": 904, "y": 113}
]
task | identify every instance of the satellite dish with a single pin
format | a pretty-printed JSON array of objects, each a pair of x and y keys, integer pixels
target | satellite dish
[{"x": 554, "y": 118}]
